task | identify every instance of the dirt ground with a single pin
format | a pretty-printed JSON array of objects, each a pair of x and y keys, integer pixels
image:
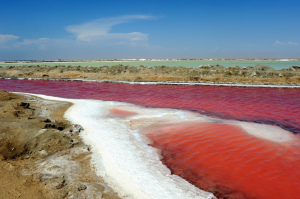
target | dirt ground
[
  {"x": 41, "y": 153},
  {"x": 259, "y": 74}
]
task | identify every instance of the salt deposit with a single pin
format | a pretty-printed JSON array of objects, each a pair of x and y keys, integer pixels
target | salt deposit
[
  {"x": 127, "y": 163},
  {"x": 264, "y": 131}
]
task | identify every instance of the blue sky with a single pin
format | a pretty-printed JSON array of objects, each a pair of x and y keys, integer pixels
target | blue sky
[{"x": 70, "y": 29}]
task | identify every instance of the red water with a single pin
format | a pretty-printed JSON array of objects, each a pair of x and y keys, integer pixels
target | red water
[
  {"x": 279, "y": 106},
  {"x": 219, "y": 157},
  {"x": 223, "y": 159}
]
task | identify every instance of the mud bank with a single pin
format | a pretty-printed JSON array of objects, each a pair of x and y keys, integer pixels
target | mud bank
[
  {"x": 216, "y": 74},
  {"x": 41, "y": 153}
]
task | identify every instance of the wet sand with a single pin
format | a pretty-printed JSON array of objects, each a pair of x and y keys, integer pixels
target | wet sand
[{"x": 41, "y": 153}]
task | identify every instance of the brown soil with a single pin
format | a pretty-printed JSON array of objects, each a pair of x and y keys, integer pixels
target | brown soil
[
  {"x": 259, "y": 74},
  {"x": 41, "y": 154}
]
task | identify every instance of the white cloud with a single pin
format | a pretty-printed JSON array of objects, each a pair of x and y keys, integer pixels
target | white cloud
[
  {"x": 33, "y": 41},
  {"x": 7, "y": 38},
  {"x": 94, "y": 40},
  {"x": 40, "y": 44},
  {"x": 278, "y": 43},
  {"x": 99, "y": 30}
]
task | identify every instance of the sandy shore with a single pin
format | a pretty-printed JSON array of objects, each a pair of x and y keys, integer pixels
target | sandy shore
[
  {"x": 212, "y": 74},
  {"x": 41, "y": 153}
]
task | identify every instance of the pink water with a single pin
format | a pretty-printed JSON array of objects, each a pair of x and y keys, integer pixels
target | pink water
[
  {"x": 223, "y": 159},
  {"x": 117, "y": 113},
  {"x": 219, "y": 157}
]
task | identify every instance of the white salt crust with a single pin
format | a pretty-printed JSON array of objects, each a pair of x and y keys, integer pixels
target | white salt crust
[
  {"x": 232, "y": 84},
  {"x": 268, "y": 132},
  {"x": 123, "y": 158}
]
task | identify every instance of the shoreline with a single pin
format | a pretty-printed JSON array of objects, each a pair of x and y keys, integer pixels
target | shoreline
[
  {"x": 120, "y": 170},
  {"x": 259, "y": 75},
  {"x": 184, "y": 83},
  {"x": 153, "y": 59}
]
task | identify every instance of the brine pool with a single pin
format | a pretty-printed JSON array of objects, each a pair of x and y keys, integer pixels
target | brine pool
[{"x": 235, "y": 142}]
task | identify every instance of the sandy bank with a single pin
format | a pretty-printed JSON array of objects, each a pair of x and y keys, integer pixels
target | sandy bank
[
  {"x": 212, "y": 74},
  {"x": 41, "y": 153}
]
